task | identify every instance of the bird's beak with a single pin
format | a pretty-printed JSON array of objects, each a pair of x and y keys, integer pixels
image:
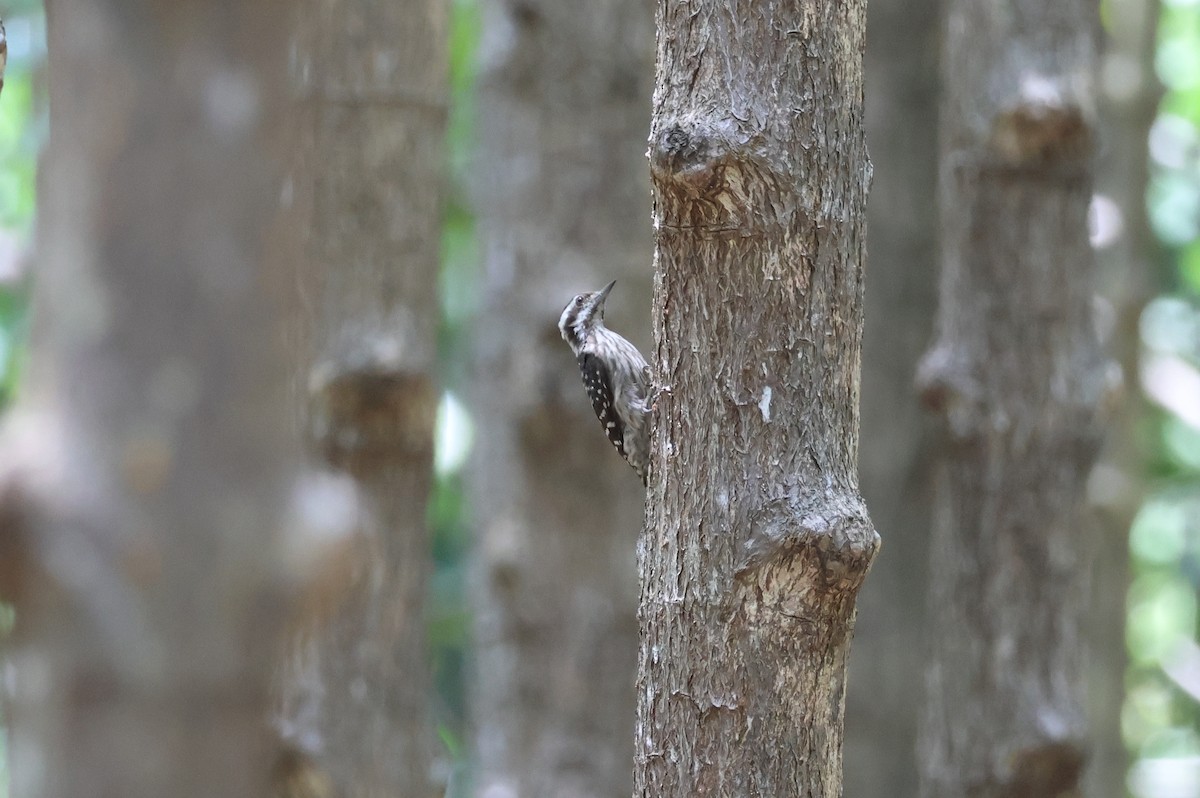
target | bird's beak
[{"x": 603, "y": 293}]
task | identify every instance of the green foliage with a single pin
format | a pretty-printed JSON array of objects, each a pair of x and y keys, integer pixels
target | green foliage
[
  {"x": 448, "y": 614},
  {"x": 1162, "y": 609},
  {"x": 459, "y": 255},
  {"x": 1174, "y": 199},
  {"x": 448, "y": 619},
  {"x": 464, "y": 38},
  {"x": 18, "y": 149},
  {"x": 22, "y": 130},
  {"x": 1161, "y": 717}
]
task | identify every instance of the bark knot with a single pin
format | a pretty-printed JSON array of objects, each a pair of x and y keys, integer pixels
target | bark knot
[
  {"x": 372, "y": 410},
  {"x": 689, "y": 161},
  {"x": 677, "y": 150},
  {"x": 721, "y": 180},
  {"x": 1049, "y": 770},
  {"x": 1043, "y": 124},
  {"x": 295, "y": 772},
  {"x": 947, "y": 386},
  {"x": 835, "y": 530}
]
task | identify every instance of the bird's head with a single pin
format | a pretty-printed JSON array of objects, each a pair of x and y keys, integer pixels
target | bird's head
[{"x": 583, "y": 314}]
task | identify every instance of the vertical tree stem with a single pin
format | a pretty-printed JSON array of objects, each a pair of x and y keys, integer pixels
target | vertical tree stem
[
  {"x": 756, "y": 539},
  {"x": 1017, "y": 376},
  {"x": 157, "y": 443}
]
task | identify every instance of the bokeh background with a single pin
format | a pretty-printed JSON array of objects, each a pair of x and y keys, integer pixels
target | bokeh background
[{"x": 1145, "y": 492}]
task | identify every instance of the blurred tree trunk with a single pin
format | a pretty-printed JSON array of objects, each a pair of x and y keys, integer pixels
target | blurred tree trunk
[
  {"x": 756, "y": 539},
  {"x": 1130, "y": 95},
  {"x": 3, "y": 53},
  {"x": 887, "y": 663},
  {"x": 160, "y": 467},
  {"x": 1017, "y": 376},
  {"x": 564, "y": 93},
  {"x": 374, "y": 78}
]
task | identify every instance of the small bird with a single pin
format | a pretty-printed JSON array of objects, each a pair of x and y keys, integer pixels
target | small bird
[{"x": 615, "y": 375}]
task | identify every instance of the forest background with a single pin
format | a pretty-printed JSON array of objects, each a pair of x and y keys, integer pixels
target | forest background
[{"x": 1144, "y": 496}]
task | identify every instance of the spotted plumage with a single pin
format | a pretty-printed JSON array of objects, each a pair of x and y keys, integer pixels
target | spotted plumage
[{"x": 615, "y": 375}]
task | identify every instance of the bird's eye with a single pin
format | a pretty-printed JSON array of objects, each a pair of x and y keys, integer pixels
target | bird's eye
[{"x": 579, "y": 301}]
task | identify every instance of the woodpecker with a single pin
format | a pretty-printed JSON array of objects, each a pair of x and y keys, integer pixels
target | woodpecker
[{"x": 615, "y": 375}]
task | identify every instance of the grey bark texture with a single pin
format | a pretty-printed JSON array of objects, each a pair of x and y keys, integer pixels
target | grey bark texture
[
  {"x": 561, "y": 194},
  {"x": 373, "y": 80},
  {"x": 886, "y": 666},
  {"x": 1129, "y": 99},
  {"x": 1017, "y": 376},
  {"x": 157, "y": 470},
  {"x": 756, "y": 539}
]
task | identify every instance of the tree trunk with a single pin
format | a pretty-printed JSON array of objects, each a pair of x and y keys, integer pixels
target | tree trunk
[
  {"x": 1017, "y": 377},
  {"x": 157, "y": 465},
  {"x": 3, "y": 53},
  {"x": 374, "y": 77},
  {"x": 756, "y": 539},
  {"x": 560, "y": 186},
  {"x": 887, "y": 664},
  {"x": 1125, "y": 257}
]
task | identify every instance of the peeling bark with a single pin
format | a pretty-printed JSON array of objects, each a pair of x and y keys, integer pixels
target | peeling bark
[
  {"x": 1017, "y": 377},
  {"x": 560, "y": 189},
  {"x": 757, "y": 539},
  {"x": 373, "y": 78},
  {"x": 161, "y": 471}
]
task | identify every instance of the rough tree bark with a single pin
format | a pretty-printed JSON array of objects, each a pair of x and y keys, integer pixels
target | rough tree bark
[
  {"x": 1017, "y": 376},
  {"x": 564, "y": 95},
  {"x": 150, "y": 418},
  {"x": 756, "y": 539},
  {"x": 374, "y": 80},
  {"x": 886, "y": 666},
  {"x": 1129, "y": 99}
]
